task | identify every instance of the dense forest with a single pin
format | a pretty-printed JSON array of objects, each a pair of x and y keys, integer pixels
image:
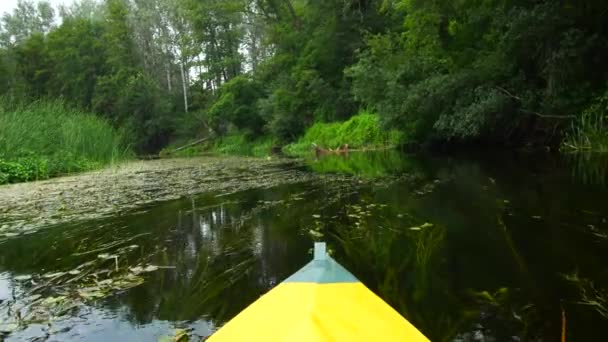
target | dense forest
[{"x": 507, "y": 72}]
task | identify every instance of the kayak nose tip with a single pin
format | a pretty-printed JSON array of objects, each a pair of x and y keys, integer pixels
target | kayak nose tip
[{"x": 320, "y": 251}]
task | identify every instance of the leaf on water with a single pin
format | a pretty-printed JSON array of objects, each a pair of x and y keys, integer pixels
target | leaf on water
[
  {"x": 9, "y": 327},
  {"x": 315, "y": 234},
  {"x": 181, "y": 336},
  {"x": 53, "y": 275},
  {"x": 136, "y": 269},
  {"x": 33, "y": 298},
  {"x": 50, "y": 301},
  {"x": 425, "y": 225},
  {"x": 151, "y": 268},
  {"x": 107, "y": 256},
  {"x": 91, "y": 293},
  {"x": 316, "y": 216},
  {"x": 105, "y": 282},
  {"x": 23, "y": 278}
]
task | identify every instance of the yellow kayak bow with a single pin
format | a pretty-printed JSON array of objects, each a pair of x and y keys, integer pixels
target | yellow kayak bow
[{"x": 321, "y": 302}]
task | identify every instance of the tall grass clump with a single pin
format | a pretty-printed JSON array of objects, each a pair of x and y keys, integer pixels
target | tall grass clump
[
  {"x": 239, "y": 144},
  {"x": 590, "y": 131},
  {"x": 362, "y": 131},
  {"x": 47, "y": 138}
]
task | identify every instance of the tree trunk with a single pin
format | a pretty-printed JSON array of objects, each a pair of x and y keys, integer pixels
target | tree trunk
[
  {"x": 292, "y": 13},
  {"x": 184, "y": 86},
  {"x": 169, "y": 85}
]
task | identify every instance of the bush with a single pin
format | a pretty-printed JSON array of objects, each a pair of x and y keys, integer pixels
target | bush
[
  {"x": 46, "y": 139},
  {"x": 590, "y": 131},
  {"x": 361, "y": 131},
  {"x": 23, "y": 170},
  {"x": 238, "y": 144}
]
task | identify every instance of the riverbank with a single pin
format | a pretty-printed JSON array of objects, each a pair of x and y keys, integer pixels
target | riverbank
[
  {"x": 46, "y": 139},
  {"x": 26, "y": 207}
]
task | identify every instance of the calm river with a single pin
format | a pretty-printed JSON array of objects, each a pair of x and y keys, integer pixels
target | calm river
[{"x": 481, "y": 246}]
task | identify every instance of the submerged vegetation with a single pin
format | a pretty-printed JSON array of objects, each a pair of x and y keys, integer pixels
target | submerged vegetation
[{"x": 47, "y": 138}]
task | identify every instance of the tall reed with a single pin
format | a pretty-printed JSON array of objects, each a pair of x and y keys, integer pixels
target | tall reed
[{"x": 47, "y": 138}]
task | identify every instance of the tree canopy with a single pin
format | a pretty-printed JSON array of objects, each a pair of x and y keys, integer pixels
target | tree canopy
[{"x": 485, "y": 71}]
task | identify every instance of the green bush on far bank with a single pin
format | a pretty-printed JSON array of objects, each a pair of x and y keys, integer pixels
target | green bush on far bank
[
  {"x": 590, "y": 131},
  {"x": 362, "y": 131},
  {"x": 46, "y": 139},
  {"x": 232, "y": 144}
]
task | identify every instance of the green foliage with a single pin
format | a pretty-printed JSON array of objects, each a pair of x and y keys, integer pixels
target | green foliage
[
  {"x": 239, "y": 144},
  {"x": 23, "y": 170},
  {"x": 236, "y": 105},
  {"x": 495, "y": 71},
  {"x": 46, "y": 139},
  {"x": 76, "y": 52},
  {"x": 590, "y": 131},
  {"x": 492, "y": 71},
  {"x": 361, "y": 131}
]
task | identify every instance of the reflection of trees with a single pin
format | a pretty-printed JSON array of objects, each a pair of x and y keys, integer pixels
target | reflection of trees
[
  {"x": 363, "y": 164},
  {"x": 225, "y": 256},
  {"x": 589, "y": 168}
]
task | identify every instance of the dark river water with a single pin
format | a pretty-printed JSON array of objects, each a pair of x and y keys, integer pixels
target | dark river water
[{"x": 482, "y": 246}]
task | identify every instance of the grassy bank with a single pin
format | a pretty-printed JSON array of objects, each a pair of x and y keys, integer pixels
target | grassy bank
[
  {"x": 362, "y": 131},
  {"x": 590, "y": 131},
  {"x": 234, "y": 144},
  {"x": 46, "y": 139}
]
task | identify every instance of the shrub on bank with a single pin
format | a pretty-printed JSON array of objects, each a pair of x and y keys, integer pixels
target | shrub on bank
[
  {"x": 590, "y": 131},
  {"x": 362, "y": 131},
  {"x": 46, "y": 138}
]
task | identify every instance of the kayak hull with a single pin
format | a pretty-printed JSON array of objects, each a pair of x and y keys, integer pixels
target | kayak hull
[{"x": 321, "y": 302}]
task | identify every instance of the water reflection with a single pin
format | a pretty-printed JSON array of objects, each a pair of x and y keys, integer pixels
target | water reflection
[
  {"x": 363, "y": 164},
  {"x": 589, "y": 168},
  {"x": 466, "y": 247}
]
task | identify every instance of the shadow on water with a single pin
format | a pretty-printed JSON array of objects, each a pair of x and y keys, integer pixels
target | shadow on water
[{"x": 494, "y": 247}]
